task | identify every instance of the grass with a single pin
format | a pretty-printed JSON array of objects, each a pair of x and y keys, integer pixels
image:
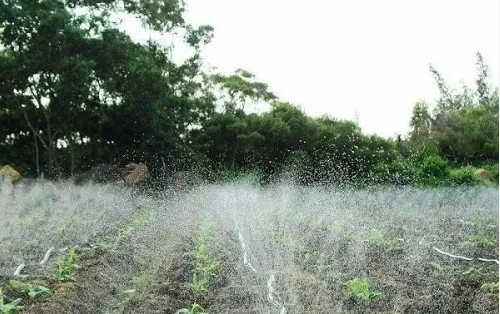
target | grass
[{"x": 361, "y": 290}]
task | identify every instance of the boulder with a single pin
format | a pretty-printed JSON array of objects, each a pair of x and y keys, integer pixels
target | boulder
[
  {"x": 9, "y": 173},
  {"x": 484, "y": 175},
  {"x": 135, "y": 173}
]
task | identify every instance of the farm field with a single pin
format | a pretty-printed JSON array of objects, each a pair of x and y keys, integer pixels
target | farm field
[{"x": 241, "y": 248}]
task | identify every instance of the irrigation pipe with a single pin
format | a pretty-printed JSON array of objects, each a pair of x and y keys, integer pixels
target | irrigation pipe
[
  {"x": 488, "y": 260},
  {"x": 46, "y": 256},
  {"x": 463, "y": 257},
  {"x": 19, "y": 269}
]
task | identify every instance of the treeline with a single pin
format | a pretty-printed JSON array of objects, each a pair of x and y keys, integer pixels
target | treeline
[{"x": 76, "y": 92}]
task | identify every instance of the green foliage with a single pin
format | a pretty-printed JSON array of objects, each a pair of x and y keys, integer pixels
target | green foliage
[
  {"x": 434, "y": 170},
  {"x": 464, "y": 175},
  {"x": 66, "y": 267},
  {"x": 464, "y": 124},
  {"x": 33, "y": 291},
  {"x": 195, "y": 309},
  {"x": 494, "y": 171},
  {"x": 82, "y": 92},
  {"x": 473, "y": 274},
  {"x": 205, "y": 266},
  {"x": 490, "y": 287},
  {"x": 361, "y": 289},
  {"x": 379, "y": 239},
  {"x": 12, "y": 307},
  {"x": 482, "y": 240}
]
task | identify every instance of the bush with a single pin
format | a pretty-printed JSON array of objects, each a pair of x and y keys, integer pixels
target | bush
[
  {"x": 434, "y": 170},
  {"x": 494, "y": 171},
  {"x": 464, "y": 175}
]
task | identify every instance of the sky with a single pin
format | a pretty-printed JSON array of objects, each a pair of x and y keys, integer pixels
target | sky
[{"x": 364, "y": 60}]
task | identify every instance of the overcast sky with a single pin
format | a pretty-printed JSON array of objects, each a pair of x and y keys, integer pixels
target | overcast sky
[
  {"x": 351, "y": 58},
  {"x": 346, "y": 56}
]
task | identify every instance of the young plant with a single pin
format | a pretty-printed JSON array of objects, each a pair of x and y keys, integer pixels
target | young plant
[
  {"x": 490, "y": 287},
  {"x": 12, "y": 307},
  {"x": 33, "y": 291},
  {"x": 66, "y": 267},
  {"x": 195, "y": 309},
  {"x": 205, "y": 266},
  {"x": 361, "y": 290}
]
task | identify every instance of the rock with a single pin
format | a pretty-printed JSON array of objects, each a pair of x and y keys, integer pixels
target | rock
[
  {"x": 9, "y": 173},
  {"x": 484, "y": 175},
  {"x": 135, "y": 173}
]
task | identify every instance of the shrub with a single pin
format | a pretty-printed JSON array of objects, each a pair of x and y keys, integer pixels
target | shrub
[
  {"x": 463, "y": 175},
  {"x": 434, "y": 169},
  {"x": 494, "y": 171}
]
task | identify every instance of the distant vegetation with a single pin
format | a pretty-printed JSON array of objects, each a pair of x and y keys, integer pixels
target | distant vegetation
[{"x": 76, "y": 91}]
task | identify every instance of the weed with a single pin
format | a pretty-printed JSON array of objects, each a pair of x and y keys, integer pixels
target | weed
[
  {"x": 361, "y": 289},
  {"x": 481, "y": 240},
  {"x": 473, "y": 273},
  {"x": 443, "y": 269},
  {"x": 491, "y": 287},
  {"x": 195, "y": 309},
  {"x": 33, "y": 291},
  {"x": 334, "y": 275},
  {"x": 12, "y": 307},
  {"x": 67, "y": 266},
  {"x": 376, "y": 237}
]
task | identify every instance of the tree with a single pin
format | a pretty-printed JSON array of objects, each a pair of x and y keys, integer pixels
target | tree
[{"x": 78, "y": 86}]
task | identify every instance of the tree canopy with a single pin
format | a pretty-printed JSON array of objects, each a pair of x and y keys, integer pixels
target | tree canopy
[{"x": 76, "y": 91}]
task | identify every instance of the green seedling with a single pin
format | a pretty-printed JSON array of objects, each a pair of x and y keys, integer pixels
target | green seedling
[
  {"x": 490, "y": 287},
  {"x": 12, "y": 307},
  {"x": 33, "y": 291},
  {"x": 66, "y": 267},
  {"x": 195, "y": 309},
  {"x": 361, "y": 289},
  {"x": 205, "y": 266}
]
